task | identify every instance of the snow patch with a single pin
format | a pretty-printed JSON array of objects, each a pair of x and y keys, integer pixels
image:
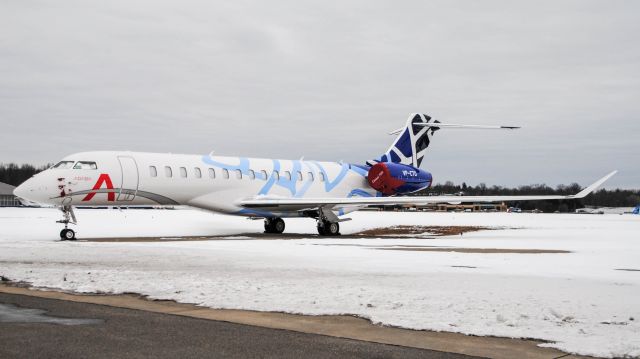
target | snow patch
[{"x": 577, "y": 301}]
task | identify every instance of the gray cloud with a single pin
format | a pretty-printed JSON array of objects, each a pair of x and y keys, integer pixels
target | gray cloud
[{"x": 328, "y": 80}]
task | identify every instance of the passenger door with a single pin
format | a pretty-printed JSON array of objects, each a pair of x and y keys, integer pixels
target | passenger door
[{"x": 129, "y": 186}]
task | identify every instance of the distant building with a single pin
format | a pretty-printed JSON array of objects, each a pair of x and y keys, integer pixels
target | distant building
[
  {"x": 446, "y": 207},
  {"x": 7, "y": 199},
  {"x": 472, "y": 207}
]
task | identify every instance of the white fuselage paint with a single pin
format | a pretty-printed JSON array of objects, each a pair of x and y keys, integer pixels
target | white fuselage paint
[{"x": 133, "y": 182}]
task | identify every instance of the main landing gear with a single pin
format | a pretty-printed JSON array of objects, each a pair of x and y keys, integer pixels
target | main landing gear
[
  {"x": 327, "y": 222},
  {"x": 274, "y": 225},
  {"x": 326, "y": 228},
  {"x": 67, "y": 217}
]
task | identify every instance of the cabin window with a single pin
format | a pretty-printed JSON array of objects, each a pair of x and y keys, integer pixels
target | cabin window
[
  {"x": 153, "y": 171},
  {"x": 299, "y": 176},
  {"x": 252, "y": 174},
  {"x": 238, "y": 174},
  {"x": 64, "y": 165},
  {"x": 287, "y": 175},
  {"x": 321, "y": 177},
  {"x": 183, "y": 172},
  {"x": 263, "y": 174},
  {"x": 310, "y": 175},
  {"x": 212, "y": 173},
  {"x": 167, "y": 171},
  {"x": 85, "y": 165},
  {"x": 197, "y": 172},
  {"x": 276, "y": 175},
  {"x": 225, "y": 173}
]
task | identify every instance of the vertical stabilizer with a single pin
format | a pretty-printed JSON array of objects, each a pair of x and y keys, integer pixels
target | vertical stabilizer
[{"x": 411, "y": 144}]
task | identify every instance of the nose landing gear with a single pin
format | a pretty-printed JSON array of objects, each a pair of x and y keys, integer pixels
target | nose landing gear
[
  {"x": 67, "y": 235},
  {"x": 68, "y": 217}
]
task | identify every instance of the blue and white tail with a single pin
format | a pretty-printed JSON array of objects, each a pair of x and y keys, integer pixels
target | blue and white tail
[{"x": 411, "y": 144}]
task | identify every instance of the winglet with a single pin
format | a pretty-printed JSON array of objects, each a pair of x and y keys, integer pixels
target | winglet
[{"x": 595, "y": 185}]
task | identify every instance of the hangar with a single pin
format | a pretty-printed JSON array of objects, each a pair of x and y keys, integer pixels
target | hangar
[{"x": 7, "y": 199}]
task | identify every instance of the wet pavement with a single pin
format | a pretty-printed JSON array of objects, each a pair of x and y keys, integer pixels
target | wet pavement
[
  {"x": 31, "y": 329},
  {"x": 10, "y": 313}
]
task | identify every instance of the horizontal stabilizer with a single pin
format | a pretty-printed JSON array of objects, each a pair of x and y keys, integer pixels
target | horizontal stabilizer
[{"x": 440, "y": 125}]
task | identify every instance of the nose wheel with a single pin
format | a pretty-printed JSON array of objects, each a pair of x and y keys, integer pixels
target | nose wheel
[
  {"x": 68, "y": 217},
  {"x": 67, "y": 235}
]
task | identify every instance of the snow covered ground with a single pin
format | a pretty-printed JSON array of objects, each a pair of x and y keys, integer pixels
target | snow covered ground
[{"x": 580, "y": 301}]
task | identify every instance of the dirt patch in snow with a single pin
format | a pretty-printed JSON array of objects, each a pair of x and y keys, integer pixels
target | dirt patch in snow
[
  {"x": 422, "y": 230},
  {"x": 475, "y": 250},
  {"x": 394, "y": 231}
]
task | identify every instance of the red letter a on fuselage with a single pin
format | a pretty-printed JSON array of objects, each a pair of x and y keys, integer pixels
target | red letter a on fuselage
[{"x": 103, "y": 179}]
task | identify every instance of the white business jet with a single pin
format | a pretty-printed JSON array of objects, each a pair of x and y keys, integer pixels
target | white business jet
[{"x": 260, "y": 188}]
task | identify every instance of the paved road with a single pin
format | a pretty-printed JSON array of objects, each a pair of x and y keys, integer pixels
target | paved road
[{"x": 139, "y": 334}]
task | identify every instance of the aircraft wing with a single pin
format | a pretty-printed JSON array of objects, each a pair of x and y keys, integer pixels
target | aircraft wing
[{"x": 308, "y": 203}]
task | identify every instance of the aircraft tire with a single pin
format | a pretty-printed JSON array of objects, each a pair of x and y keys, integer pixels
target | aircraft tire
[
  {"x": 67, "y": 235},
  {"x": 278, "y": 225},
  {"x": 332, "y": 229},
  {"x": 268, "y": 225},
  {"x": 329, "y": 228}
]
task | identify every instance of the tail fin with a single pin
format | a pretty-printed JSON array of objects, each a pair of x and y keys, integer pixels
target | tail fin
[{"x": 412, "y": 142}]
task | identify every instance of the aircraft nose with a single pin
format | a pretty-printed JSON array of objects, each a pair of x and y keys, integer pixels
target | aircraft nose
[
  {"x": 30, "y": 191},
  {"x": 22, "y": 191},
  {"x": 19, "y": 191}
]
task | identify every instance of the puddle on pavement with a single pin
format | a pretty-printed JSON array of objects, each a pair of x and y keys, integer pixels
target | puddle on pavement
[{"x": 12, "y": 314}]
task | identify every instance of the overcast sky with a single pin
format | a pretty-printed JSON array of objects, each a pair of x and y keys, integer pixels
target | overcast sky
[{"x": 327, "y": 80}]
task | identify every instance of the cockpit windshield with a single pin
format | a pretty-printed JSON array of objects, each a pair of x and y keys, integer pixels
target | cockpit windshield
[
  {"x": 64, "y": 165},
  {"x": 85, "y": 165},
  {"x": 80, "y": 165}
]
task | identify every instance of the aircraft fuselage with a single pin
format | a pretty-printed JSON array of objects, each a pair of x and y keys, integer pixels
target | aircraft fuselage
[{"x": 208, "y": 182}]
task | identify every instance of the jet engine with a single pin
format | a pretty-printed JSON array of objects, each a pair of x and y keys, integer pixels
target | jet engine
[{"x": 394, "y": 178}]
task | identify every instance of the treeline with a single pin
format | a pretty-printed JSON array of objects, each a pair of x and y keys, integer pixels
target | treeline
[
  {"x": 600, "y": 198},
  {"x": 14, "y": 174}
]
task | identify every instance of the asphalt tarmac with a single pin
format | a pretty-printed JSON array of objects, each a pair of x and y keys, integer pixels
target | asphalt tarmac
[{"x": 64, "y": 329}]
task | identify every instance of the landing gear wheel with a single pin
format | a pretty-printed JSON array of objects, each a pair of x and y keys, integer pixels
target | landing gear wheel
[
  {"x": 274, "y": 225},
  {"x": 333, "y": 229},
  {"x": 278, "y": 225},
  {"x": 268, "y": 225},
  {"x": 67, "y": 235},
  {"x": 67, "y": 217},
  {"x": 326, "y": 228}
]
